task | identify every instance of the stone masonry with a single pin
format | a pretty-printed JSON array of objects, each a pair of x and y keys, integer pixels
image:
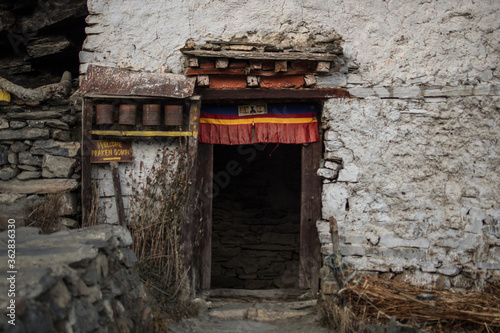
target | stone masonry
[
  {"x": 74, "y": 281},
  {"x": 38, "y": 156}
]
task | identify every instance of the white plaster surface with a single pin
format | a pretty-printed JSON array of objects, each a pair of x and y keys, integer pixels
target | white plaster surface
[
  {"x": 421, "y": 171},
  {"x": 393, "y": 42}
]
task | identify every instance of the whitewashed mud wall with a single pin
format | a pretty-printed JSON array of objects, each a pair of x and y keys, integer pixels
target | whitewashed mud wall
[
  {"x": 419, "y": 146},
  {"x": 147, "y": 156}
]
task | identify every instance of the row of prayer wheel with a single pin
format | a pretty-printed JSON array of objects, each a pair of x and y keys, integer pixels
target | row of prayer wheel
[{"x": 151, "y": 114}]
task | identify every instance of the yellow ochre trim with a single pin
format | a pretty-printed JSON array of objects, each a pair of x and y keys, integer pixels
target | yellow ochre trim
[
  {"x": 143, "y": 133},
  {"x": 4, "y": 95}
]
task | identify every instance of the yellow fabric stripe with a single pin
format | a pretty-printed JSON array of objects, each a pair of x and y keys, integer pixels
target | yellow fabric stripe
[{"x": 257, "y": 121}]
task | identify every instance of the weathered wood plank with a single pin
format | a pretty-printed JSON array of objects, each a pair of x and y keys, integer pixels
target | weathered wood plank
[
  {"x": 310, "y": 212},
  {"x": 116, "y": 81},
  {"x": 334, "y": 232},
  {"x": 262, "y": 55},
  {"x": 238, "y": 71},
  {"x": 88, "y": 111},
  {"x": 188, "y": 228},
  {"x": 38, "y": 186},
  {"x": 256, "y": 93},
  {"x": 118, "y": 194},
  {"x": 205, "y": 184}
]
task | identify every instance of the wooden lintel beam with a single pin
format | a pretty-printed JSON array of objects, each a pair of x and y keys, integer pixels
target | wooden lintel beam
[
  {"x": 236, "y": 94},
  {"x": 262, "y": 55},
  {"x": 88, "y": 110},
  {"x": 234, "y": 71}
]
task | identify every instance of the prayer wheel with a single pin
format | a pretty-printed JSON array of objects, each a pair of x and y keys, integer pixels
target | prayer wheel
[
  {"x": 127, "y": 114},
  {"x": 104, "y": 114},
  {"x": 151, "y": 114},
  {"x": 173, "y": 115}
]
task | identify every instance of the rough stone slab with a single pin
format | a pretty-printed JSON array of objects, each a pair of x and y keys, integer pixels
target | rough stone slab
[
  {"x": 17, "y": 124},
  {"x": 8, "y": 173},
  {"x": 56, "y": 123},
  {"x": 25, "y": 175},
  {"x": 38, "y": 186},
  {"x": 25, "y": 134},
  {"x": 35, "y": 115},
  {"x": 47, "y": 46},
  {"x": 52, "y": 147},
  {"x": 28, "y": 159},
  {"x": 57, "y": 166}
]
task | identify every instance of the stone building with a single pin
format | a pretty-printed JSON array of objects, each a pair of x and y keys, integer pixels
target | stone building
[{"x": 400, "y": 147}]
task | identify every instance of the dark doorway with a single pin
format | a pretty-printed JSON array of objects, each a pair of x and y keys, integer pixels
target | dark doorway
[{"x": 256, "y": 216}]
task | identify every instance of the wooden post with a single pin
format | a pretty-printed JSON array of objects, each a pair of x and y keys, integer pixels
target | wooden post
[
  {"x": 118, "y": 194},
  {"x": 188, "y": 227},
  {"x": 88, "y": 111},
  {"x": 310, "y": 212},
  {"x": 334, "y": 232},
  {"x": 205, "y": 182}
]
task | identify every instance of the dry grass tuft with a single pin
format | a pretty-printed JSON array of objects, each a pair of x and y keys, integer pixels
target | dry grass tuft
[
  {"x": 376, "y": 300},
  {"x": 44, "y": 213},
  {"x": 93, "y": 218},
  {"x": 155, "y": 225}
]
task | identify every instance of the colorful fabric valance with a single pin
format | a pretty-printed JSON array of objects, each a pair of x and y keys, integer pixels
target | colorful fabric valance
[{"x": 258, "y": 123}]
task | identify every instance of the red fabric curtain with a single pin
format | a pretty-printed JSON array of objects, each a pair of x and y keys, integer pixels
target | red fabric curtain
[{"x": 278, "y": 123}]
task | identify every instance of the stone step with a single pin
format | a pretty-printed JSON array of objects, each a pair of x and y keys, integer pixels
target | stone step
[{"x": 261, "y": 312}]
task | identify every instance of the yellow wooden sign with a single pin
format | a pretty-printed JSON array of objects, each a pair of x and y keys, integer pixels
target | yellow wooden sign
[
  {"x": 104, "y": 151},
  {"x": 4, "y": 96}
]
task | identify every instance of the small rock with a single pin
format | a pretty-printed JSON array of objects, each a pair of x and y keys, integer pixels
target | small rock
[
  {"x": 55, "y": 123},
  {"x": 28, "y": 167},
  {"x": 26, "y": 158},
  {"x": 29, "y": 175},
  {"x": 4, "y": 124},
  {"x": 17, "y": 124},
  {"x": 3, "y": 155},
  {"x": 61, "y": 135},
  {"x": 8, "y": 173},
  {"x": 70, "y": 223},
  {"x": 36, "y": 123},
  {"x": 18, "y": 147},
  {"x": 12, "y": 158}
]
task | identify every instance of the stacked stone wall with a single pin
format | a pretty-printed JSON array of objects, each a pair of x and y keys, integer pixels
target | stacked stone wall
[
  {"x": 72, "y": 281},
  {"x": 39, "y": 155}
]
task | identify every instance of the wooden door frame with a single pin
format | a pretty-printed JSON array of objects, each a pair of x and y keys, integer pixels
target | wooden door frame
[{"x": 310, "y": 212}]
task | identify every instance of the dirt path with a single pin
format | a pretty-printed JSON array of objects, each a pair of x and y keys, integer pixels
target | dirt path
[{"x": 283, "y": 317}]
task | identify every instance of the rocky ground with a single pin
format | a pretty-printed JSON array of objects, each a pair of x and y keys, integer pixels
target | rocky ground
[{"x": 238, "y": 316}]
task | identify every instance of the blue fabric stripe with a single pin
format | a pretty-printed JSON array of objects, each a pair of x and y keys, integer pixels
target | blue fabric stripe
[{"x": 271, "y": 109}]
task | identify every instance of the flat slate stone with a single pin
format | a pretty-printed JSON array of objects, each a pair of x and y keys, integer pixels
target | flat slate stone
[
  {"x": 52, "y": 147},
  {"x": 38, "y": 186},
  {"x": 37, "y": 115},
  {"x": 25, "y": 134}
]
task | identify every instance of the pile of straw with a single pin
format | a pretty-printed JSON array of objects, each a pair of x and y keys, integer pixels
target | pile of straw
[{"x": 377, "y": 299}]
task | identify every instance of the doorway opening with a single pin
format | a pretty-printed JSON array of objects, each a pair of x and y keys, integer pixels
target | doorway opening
[{"x": 256, "y": 216}]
